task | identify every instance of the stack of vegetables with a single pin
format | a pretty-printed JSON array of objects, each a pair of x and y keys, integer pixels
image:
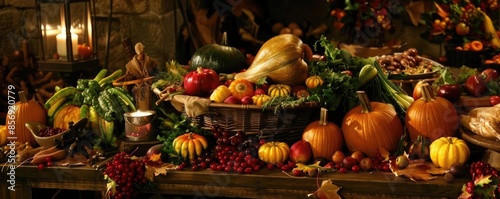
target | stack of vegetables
[{"x": 96, "y": 99}]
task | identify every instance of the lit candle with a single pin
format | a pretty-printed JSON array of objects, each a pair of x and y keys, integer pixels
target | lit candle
[
  {"x": 49, "y": 31},
  {"x": 61, "y": 43}
]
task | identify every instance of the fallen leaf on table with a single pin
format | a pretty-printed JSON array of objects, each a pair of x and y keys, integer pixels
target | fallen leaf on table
[
  {"x": 312, "y": 168},
  {"x": 157, "y": 168},
  {"x": 328, "y": 190},
  {"x": 77, "y": 160},
  {"x": 418, "y": 170}
]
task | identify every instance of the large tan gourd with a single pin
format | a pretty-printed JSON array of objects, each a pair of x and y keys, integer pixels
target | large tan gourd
[{"x": 282, "y": 59}]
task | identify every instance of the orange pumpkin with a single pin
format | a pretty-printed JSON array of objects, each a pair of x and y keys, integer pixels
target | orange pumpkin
[
  {"x": 324, "y": 137},
  {"x": 241, "y": 88},
  {"x": 66, "y": 114},
  {"x": 25, "y": 111},
  {"x": 371, "y": 125},
  {"x": 432, "y": 117}
]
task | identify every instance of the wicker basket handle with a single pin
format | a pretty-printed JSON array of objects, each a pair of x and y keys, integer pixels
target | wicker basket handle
[{"x": 119, "y": 82}]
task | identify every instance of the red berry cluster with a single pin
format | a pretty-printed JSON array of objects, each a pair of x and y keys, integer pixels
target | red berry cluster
[
  {"x": 381, "y": 164},
  {"x": 50, "y": 131},
  {"x": 284, "y": 166},
  {"x": 126, "y": 173},
  {"x": 233, "y": 152},
  {"x": 476, "y": 171},
  {"x": 48, "y": 163}
]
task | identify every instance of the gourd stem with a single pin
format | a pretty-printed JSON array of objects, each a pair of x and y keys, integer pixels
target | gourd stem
[
  {"x": 364, "y": 102},
  {"x": 22, "y": 97},
  {"x": 224, "y": 39},
  {"x": 427, "y": 93},
  {"x": 190, "y": 137},
  {"x": 323, "y": 116}
]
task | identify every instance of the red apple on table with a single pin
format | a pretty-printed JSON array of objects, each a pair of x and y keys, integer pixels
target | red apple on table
[
  {"x": 300, "y": 152},
  {"x": 451, "y": 92},
  {"x": 349, "y": 161}
]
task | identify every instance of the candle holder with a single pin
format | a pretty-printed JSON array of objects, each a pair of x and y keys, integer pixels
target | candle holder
[
  {"x": 138, "y": 126},
  {"x": 68, "y": 42}
]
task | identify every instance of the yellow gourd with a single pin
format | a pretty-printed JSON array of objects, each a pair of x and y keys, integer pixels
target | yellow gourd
[
  {"x": 446, "y": 151},
  {"x": 259, "y": 100}
]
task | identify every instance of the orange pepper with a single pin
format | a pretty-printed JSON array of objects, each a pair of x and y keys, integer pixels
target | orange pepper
[{"x": 476, "y": 45}]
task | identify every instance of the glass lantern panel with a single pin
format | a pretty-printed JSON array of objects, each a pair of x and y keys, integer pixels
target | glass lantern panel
[{"x": 54, "y": 22}]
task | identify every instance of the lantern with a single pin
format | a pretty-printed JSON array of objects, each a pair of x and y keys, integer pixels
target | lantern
[{"x": 68, "y": 42}]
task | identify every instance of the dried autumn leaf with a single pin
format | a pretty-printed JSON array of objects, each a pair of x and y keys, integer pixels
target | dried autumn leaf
[
  {"x": 150, "y": 173},
  {"x": 484, "y": 180},
  {"x": 465, "y": 195},
  {"x": 384, "y": 153},
  {"x": 417, "y": 170},
  {"x": 328, "y": 190},
  {"x": 311, "y": 168},
  {"x": 157, "y": 168},
  {"x": 110, "y": 186}
]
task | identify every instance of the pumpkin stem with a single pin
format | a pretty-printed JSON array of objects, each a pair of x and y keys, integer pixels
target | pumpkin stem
[
  {"x": 199, "y": 70},
  {"x": 190, "y": 137},
  {"x": 427, "y": 93},
  {"x": 323, "y": 117},
  {"x": 364, "y": 102},
  {"x": 224, "y": 39},
  {"x": 22, "y": 97}
]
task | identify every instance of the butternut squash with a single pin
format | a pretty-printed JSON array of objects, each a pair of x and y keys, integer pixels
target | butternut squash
[{"x": 282, "y": 59}]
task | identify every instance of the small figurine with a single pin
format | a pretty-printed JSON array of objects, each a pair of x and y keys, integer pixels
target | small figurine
[{"x": 140, "y": 70}]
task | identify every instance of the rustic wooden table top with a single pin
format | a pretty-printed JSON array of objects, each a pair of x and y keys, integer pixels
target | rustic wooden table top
[{"x": 261, "y": 184}]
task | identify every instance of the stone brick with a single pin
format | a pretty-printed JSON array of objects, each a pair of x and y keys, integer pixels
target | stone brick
[
  {"x": 11, "y": 34},
  {"x": 160, "y": 6},
  {"x": 129, "y": 6},
  {"x": 21, "y": 3}
]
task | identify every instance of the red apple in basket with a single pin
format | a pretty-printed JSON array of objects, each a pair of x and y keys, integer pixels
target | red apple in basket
[
  {"x": 490, "y": 74},
  {"x": 300, "y": 152}
]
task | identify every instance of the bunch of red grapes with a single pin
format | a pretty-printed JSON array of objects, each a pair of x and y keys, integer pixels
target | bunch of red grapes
[
  {"x": 50, "y": 131},
  {"x": 128, "y": 174},
  {"x": 233, "y": 152},
  {"x": 478, "y": 170}
]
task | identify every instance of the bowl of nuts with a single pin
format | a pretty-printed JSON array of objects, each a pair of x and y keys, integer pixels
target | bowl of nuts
[
  {"x": 408, "y": 65},
  {"x": 44, "y": 135}
]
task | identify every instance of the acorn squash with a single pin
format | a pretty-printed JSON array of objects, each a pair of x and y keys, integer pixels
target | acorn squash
[{"x": 219, "y": 57}]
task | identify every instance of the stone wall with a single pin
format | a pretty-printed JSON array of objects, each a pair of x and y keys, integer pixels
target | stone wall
[{"x": 148, "y": 21}]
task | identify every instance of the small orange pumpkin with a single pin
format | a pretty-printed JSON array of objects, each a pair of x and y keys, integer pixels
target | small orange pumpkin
[
  {"x": 324, "y": 137},
  {"x": 371, "y": 125},
  {"x": 25, "y": 111},
  {"x": 432, "y": 117},
  {"x": 314, "y": 81}
]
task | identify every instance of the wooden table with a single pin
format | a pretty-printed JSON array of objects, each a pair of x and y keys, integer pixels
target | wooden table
[{"x": 261, "y": 184}]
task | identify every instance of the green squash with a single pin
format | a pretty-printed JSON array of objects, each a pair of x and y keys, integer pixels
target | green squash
[{"x": 219, "y": 57}]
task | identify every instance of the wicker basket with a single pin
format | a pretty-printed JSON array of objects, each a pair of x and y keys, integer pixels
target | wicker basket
[{"x": 286, "y": 125}]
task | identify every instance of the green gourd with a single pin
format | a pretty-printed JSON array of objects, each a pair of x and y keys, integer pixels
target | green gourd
[{"x": 219, "y": 57}]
